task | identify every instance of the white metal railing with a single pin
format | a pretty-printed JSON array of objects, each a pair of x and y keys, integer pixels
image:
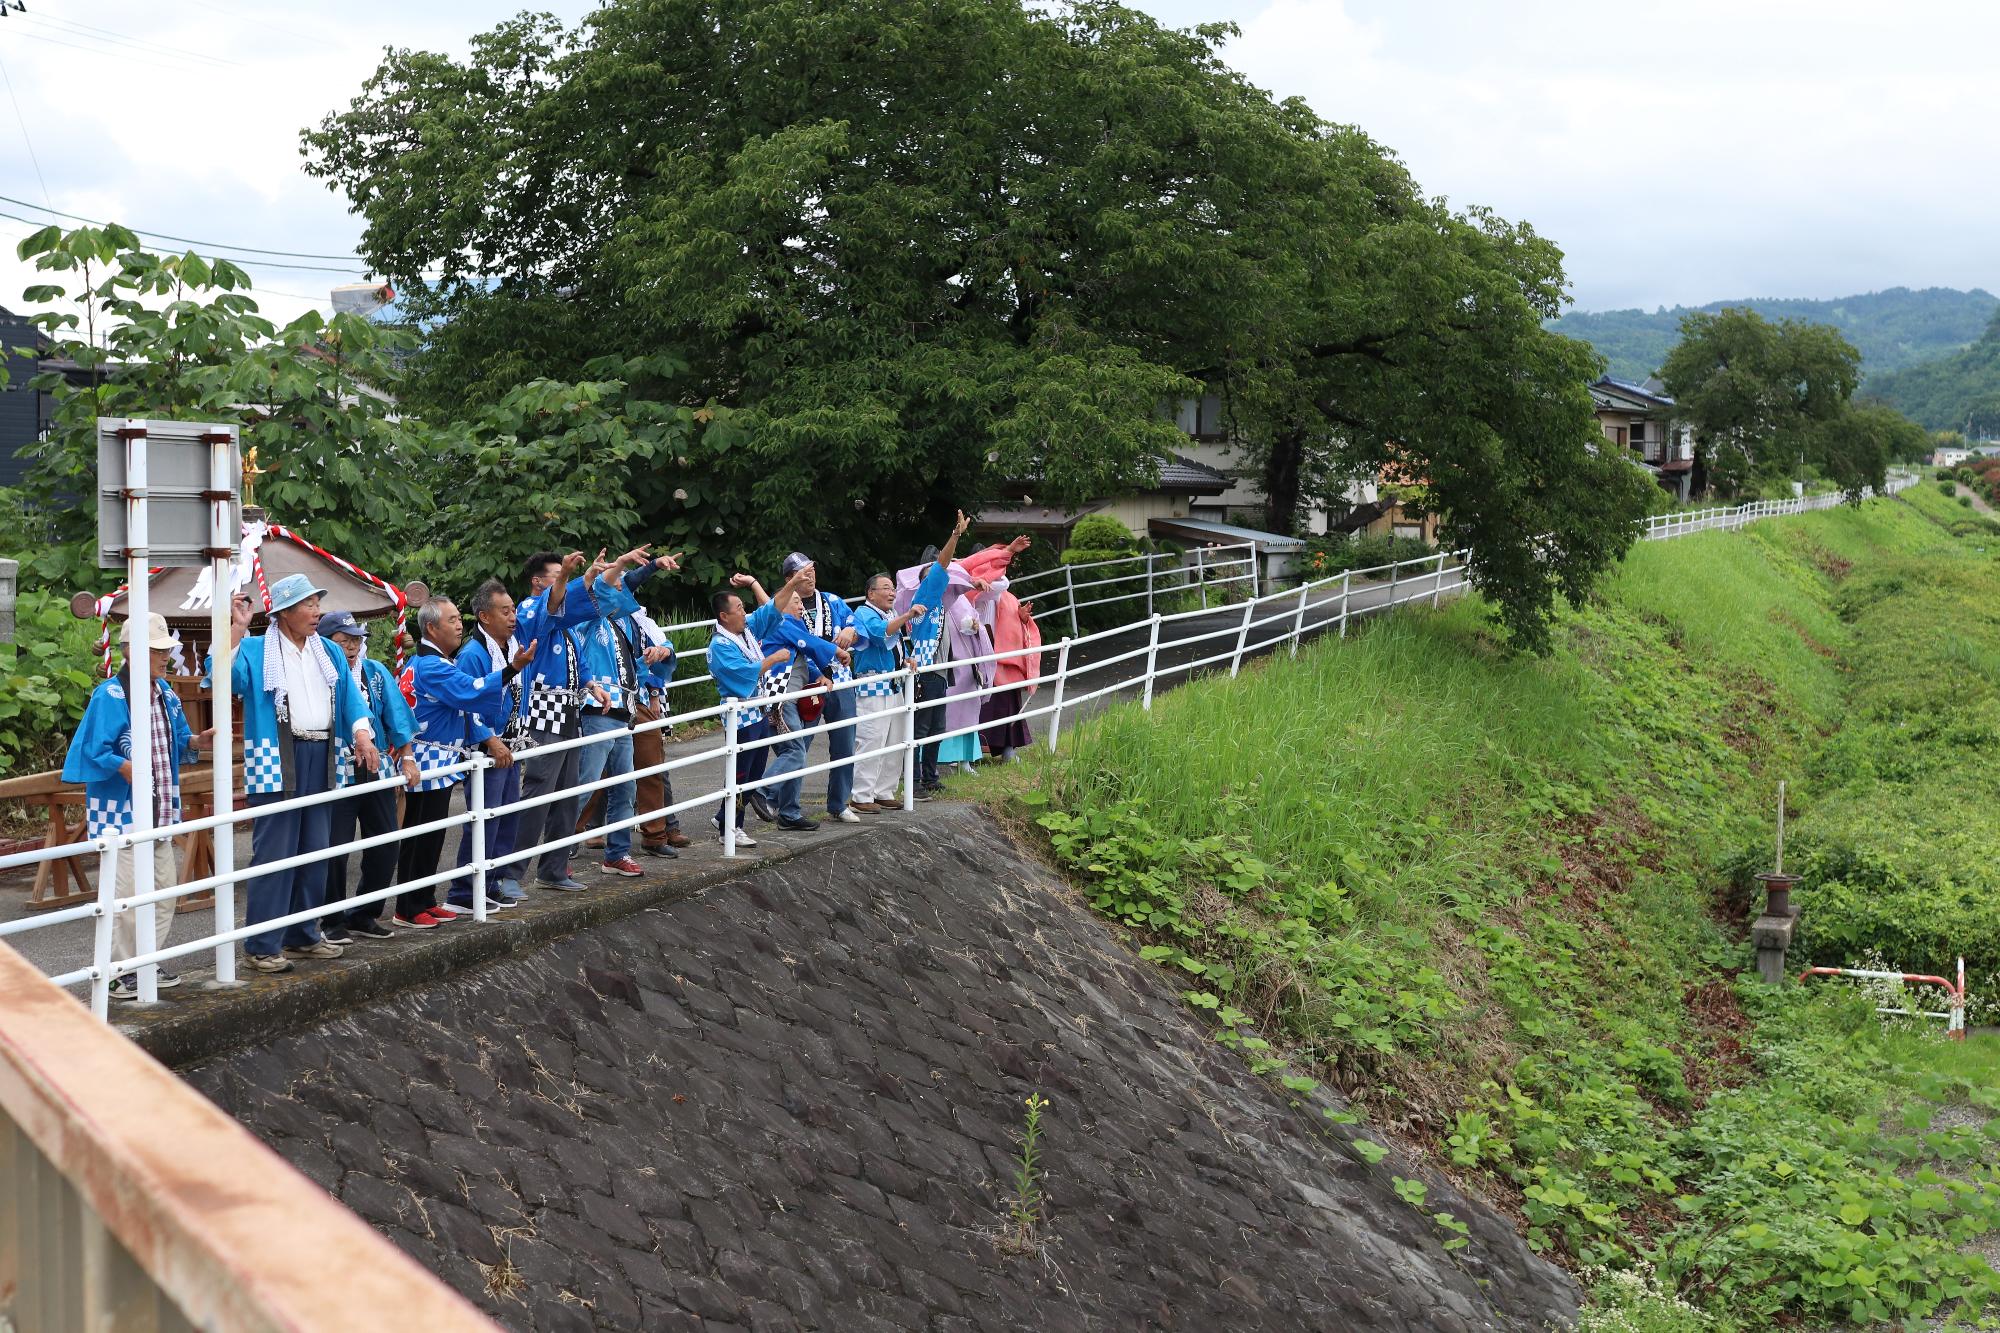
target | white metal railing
[
  {"x": 1204, "y": 571},
  {"x": 1265, "y": 622}
]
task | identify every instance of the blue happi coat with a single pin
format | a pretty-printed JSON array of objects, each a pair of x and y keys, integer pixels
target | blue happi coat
[
  {"x": 395, "y": 723},
  {"x": 263, "y": 747},
  {"x": 104, "y": 741},
  {"x": 454, "y": 713}
]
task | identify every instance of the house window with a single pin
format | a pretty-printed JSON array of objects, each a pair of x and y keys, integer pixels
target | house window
[{"x": 1202, "y": 418}]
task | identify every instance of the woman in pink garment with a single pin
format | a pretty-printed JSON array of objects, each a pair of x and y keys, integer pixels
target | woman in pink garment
[{"x": 1014, "y": 631}]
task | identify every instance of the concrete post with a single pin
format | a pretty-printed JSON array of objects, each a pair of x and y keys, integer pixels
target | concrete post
[{"x": 10, "y": 571}]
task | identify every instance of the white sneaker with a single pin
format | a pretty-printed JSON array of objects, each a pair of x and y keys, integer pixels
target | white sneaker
[
  {"x": 848, "y": 817},
  {"x": 743, "y": 838}
]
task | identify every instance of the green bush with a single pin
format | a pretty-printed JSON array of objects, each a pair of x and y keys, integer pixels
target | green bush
[
  {"x": 46, "y": 684},
  {"x": 1103, "y": 534},
  {"x": 1948, "y": 487}
]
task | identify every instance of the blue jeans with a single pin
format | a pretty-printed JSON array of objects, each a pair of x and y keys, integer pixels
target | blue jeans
[
  {"x": 277, "y": 837},
  {"x": 607, "y": 759},
  {"x": 840, "y": 707},
  {"x": 788, "y": 755},
  {"x": 503, "y": 787}
]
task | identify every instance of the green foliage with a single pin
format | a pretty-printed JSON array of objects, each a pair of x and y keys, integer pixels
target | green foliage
[
  {"x": 911, "y": 255},
  {"x": 1948, "y": 488},
  {"x": 179, "y": 336},
  {"x": 1956, "y": 392},
  {"x": 1025, "y": 1209},
  {"x": 1332, "y": 554},
  {"x": 1893, "y": 329},
  {"x": 45, "y": 682}
]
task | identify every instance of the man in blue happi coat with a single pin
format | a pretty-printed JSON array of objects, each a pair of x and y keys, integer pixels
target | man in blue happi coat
[
  {"x": 828, "y": 617},
  {"x": 373, "y": 812},
  {"x": 294, "y": 702},
  {"x": 738, "y": 661},
  {"x": 552, "y": 701},
  {"x": 491, "y": 645},
  {"x": 455, "y": 713},
  {"x": 100, "y": 757},
  {"x": 616, "y": 669}
]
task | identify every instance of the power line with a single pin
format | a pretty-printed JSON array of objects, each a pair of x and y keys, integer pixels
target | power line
[
  {"x": 241, "y": 263},
  {"x": 183, "y": 240},
  {"x": 87, "y": 31},
  {"x": 32, "y": 157}
]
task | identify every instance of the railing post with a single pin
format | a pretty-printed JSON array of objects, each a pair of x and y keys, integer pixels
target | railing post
[
  {"x": 1151, "y": 556},
  {"x": 1395, "y": 568},
  {"x": 1062, "y": 683},
  {"x": 909, "y": 739},
  {"x": 1256, "y": 569},
  {"x": 731, "y": 722},
  {"x": 1242, "y": 636},
  {"x": 475, "y": 803},
  {"x": 1299, "y": 618},
  {"x": 1069, "y": 583},
  {"x": 1201, "y": 575},
  {"x": 1437, "y": 588},
  {"x": 1152, "y": 656},
  {"x": 1346, "y": 581},
  {"x": 100, "y": 947}
]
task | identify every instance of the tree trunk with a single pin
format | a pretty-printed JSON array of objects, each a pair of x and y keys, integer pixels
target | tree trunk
[{"x": 1281, "y": 481}]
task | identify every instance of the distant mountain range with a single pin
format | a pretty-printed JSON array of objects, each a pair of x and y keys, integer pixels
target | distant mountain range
[{"x": 1894, "y": 329}]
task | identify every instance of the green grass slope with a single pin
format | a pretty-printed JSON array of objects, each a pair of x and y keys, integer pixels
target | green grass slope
[{"x": 1486, "y": 897}]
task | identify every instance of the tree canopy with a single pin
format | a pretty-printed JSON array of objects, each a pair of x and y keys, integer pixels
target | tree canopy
[
  {"x": 896, "y": 256},
  {"x": 1766, "y": 399}
]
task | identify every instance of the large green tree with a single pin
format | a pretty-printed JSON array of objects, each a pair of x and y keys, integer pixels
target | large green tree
[
  {"x": 1767, "y": 398},
  {"x": 911, "y": 254}
]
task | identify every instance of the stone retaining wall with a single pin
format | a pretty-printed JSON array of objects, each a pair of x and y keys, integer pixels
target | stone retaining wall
[{"x": 792, "y": 1102}]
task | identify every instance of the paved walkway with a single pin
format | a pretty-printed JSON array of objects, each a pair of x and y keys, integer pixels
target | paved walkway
[{"x": 67, "y": 947}]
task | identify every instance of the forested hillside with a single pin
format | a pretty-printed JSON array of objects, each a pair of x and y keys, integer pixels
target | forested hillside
[{"x": 1894, "y": 328}]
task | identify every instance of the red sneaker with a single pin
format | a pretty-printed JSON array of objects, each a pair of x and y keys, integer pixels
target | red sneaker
[
  {"x": 624, "y": 865},
  {"x": 421, "y": 921},
  {"x": 437, "y": 918}
]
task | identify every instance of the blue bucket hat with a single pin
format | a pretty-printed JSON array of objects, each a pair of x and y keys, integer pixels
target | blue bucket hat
[{"x": 290, "y": 590}]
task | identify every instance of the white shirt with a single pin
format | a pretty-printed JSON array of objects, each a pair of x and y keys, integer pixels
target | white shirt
[{"x": 307, "y": 693}]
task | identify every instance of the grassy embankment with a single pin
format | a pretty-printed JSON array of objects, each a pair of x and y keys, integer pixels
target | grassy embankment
[{"x": 1480, "y": 895}]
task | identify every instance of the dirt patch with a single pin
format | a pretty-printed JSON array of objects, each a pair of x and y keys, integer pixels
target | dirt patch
[
  {"x": 1791, "y": 622},
  {"x": 1720, "y": 1057}
]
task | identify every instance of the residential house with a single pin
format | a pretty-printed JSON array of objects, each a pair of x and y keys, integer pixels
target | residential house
[
  {"x": 1950, "y": 457},
  {"x": 1638, "y": 419}
]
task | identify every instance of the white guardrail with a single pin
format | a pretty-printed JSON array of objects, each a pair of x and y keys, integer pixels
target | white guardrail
[{"x": 1289, "y": 616}]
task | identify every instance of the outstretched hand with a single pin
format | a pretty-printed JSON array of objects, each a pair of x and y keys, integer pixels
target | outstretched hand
[{"x": 521, "y": 658}]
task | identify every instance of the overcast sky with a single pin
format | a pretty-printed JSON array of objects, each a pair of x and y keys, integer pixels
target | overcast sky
[{"x": 1678, "y": 153}]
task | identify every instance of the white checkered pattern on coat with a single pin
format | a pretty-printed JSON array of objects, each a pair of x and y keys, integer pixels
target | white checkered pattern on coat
[
  {"x": 104, "y": 815},
  {"x": 430, "y": 755},
  {"x": 880, "y": 686},
  {"x": 923, "y": 652},
  {"x": 343, "y": 764},
  {"x": 550, "y": 709},
  {"x": 263, "y": 766}
]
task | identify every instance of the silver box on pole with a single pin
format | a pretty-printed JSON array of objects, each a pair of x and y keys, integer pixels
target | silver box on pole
[{"x": 178, "y": 500}]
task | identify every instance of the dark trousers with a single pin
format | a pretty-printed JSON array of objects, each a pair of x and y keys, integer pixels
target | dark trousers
[
  {"x": 373, "y": 813},
  {"x": 503, "y": 787},
  {"x": 839, "y": 745},
  {"x": 544, "y": 773},
  {"x": 421, "y": 850},
  {"x": 278, "y": 837},
  {"x": 750, "y": 761},
  {"x": 931, "y": 687}
]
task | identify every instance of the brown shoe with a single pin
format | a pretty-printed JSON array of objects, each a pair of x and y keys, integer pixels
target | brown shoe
[
  {"x": 865, "y": 807},
  {"x": 676, "y": 838},
  {"x": 594, "y": 843}
]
